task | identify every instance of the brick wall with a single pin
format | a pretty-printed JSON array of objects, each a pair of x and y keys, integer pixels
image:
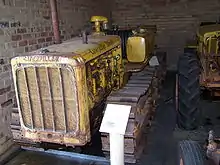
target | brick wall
[
  {"x": 176, "y": 19},
  {"x": 75, "y": 14},
  {"x": 25, "y": 25}
]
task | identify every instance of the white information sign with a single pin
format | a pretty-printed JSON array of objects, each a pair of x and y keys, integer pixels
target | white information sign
[{"x": 115, "y": 119}]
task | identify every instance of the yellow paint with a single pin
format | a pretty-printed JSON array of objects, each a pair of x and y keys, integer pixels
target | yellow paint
[
  {"x": 207, "y": 35},
  {"x": 208, "y": 29},
  {"x": 98, "y": 20},
  {"x": 136, "y": 49},
  {"x": 207, "y": 46},
  {"x": 207, "y": 41},
  {"x": 140, "y": 46},
  {"x": 90, "y": 64},
  {"x": 56, "y": 138},
  {"x": 192, "y": 46}
]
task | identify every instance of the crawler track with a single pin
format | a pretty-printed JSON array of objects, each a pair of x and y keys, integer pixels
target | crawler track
[{"x": 142, "y": 93}]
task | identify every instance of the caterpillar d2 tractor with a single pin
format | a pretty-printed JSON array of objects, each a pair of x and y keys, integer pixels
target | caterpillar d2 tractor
[
  {"x": 198, "y": 72},
  {"x": 62, "y": 89}
]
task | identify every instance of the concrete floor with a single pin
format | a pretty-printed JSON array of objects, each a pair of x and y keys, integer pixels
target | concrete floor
[{"x": 161, "y": 148}]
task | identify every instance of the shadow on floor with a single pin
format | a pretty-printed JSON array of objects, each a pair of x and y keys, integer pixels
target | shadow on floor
[{"x": 161, "y": 148}]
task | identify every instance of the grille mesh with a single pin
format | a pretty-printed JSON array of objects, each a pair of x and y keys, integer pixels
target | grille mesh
[{"x": 48, "y": 99}]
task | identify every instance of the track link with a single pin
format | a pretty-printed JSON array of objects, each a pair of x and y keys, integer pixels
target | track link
[{"x": 141, "y": 92}]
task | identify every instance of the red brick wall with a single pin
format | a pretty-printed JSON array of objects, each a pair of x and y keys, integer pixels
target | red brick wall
[
  {"x": 74, "y": 14},
  {"x": 176, "y": 19},
  {"x": 26, "y": 25}
]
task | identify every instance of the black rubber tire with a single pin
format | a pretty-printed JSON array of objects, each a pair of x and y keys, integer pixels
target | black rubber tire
[
  {"x": 191, "y": 153},
  {"x": 188, "y": 113}
]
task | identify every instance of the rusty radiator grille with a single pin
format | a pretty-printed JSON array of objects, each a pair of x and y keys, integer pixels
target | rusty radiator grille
[{"x": 48, "y": 99}]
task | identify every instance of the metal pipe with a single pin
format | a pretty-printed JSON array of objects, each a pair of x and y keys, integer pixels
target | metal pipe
[
  {"x": 55, "y": 21},
  {"x": 117, "y": 149}
]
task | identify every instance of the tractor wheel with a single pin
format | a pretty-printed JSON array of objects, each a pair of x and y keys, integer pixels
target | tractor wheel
[
  {"x": 188, "y": 91},
  {"x": 190, "y": 153}
]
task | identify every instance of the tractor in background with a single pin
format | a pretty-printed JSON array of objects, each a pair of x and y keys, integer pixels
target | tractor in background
[
  {"x": 198, "y": 72},
  {"x": 62, "y": 89}
]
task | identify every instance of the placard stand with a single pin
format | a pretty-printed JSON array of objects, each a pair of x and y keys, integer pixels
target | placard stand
[
  {"x": 116, "y": 149},
  {"x": 115, "y": 123}
]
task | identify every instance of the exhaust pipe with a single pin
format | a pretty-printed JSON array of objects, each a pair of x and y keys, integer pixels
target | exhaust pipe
[
  {"x": 55, "y": 21},
  {"x": 84, "y": 37}
]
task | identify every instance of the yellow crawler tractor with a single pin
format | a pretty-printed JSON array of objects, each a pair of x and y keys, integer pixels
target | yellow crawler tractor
[
  {"x": 198, "y": 71},
  {"x": 62, "y": 89}
]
